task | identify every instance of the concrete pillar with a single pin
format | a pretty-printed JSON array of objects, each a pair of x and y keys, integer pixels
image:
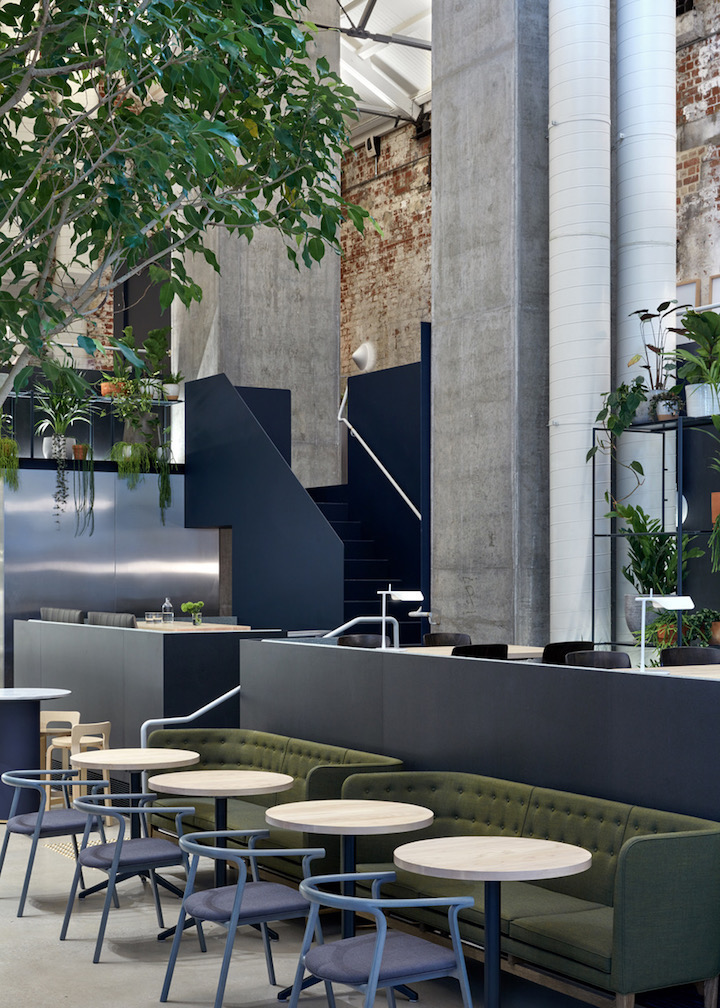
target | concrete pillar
[
  {"x": 490, "y": 325},
  {"x": 264, "y": 323}
]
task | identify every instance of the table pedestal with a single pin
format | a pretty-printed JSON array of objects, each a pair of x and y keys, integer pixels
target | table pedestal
[{"x": 19, "y": 748}]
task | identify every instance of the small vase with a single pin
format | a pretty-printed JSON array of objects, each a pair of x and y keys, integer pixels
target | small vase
[{"x": 197, "y": 618}]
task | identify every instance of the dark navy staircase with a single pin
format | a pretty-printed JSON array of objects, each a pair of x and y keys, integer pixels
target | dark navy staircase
[{"x": 367, "y": 570}]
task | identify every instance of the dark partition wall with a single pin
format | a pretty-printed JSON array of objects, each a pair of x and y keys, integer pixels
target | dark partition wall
[{"x": 287, "y": 563}]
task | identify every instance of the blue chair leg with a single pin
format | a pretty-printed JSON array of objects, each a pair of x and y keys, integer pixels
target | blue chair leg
[{"x": 28, "y": 873}]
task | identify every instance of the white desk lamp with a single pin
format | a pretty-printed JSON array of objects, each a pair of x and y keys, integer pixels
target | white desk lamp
[
  {"x": 397, "y": 596},
  {"x": 671, "y": 602}
]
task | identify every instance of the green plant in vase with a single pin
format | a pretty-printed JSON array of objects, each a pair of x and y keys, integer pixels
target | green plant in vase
[
  {"x": 134, "y": 461},
  {"x": 84, "y": 489},
  {"x": 63, "y": 401},
  {"x": 195, "y": 609},
  {"x": 9, "y": 455}
]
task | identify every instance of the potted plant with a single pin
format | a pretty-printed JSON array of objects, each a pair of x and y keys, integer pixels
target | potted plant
[
  {"x": 617, "y": 414},
  {"x": 63, "y": 401},
  {"x": 658, "y": 361},
  {"x": 195, "y": 609},
  {"x": 171, "y": 385},
  {"x": 9, "y": 455},
  {"x": 652, "y": 558},
  {"x": 697, "y": 628},
  {"x": 665, "y": 405},
  {"x": 157, "y": 350},
  {"x": 701, "y": 366}
]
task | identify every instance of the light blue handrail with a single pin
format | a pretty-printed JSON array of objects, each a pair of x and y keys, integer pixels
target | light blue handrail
[{"x": 159, "y": 722}]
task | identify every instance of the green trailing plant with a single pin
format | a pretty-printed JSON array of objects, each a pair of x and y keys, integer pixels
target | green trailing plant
[
  {"x": 84, "y": 491},
  {"x": 164, "y": 466},
  {"x": 157, "y": 351},
  {"x": 652, "y": 552},
  {"x": 134, "y": 461},
  {"x": 617, "y": 414},
  {"x": 9, "y": 455},
  {"x": 62, "y": 402}
]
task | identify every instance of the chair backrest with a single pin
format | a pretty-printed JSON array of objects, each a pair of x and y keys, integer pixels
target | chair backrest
[
  {"x": 690, "y": 656},
  {"x": 368, "y": 640},
  {"x": 481, "y": 651},
  {"x": 445, "y": 639},
  {"x": 556, "y": 653},
  {"x": 99, "y": 729},
  {"x": 116, "y": 619},
  {"x": 58, "y": 719},
  {"x": 599, "y": 659},
  {"x": 61, "y": 615}
]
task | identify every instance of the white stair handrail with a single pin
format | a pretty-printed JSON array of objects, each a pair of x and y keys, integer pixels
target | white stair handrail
[
  {"x": 373, "y": 456},
  {"x": 159, "y": 722}
]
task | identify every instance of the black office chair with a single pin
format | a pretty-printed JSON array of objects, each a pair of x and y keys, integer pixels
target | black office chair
[
  {"x": 116, "y": 619},
  {"x": 369, "y": 640},
  {"x": 690, "y": 656},
  {"x": 481, "y": 651},
  {"x": 556, "y": 653},
  {"x": 445, "y": 639},
  {"x": 599, "y": 659}
]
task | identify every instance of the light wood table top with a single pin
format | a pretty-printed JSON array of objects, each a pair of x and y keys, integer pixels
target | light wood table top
[
  {"x": 183, "y": 627},
  {"x": 492, "y": 858},
  {"x": 221, "y": 783},
  {"x": 134, "y": 759},
  {"x": 691, "y": 671},
  {"x": 345, "y": 816},
  {"x": 516, "y": 652}
]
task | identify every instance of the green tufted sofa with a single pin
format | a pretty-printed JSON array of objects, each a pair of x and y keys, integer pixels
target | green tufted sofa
[
  {"x": 645, "y": 915},
  {"x": 319, "y": 771}
]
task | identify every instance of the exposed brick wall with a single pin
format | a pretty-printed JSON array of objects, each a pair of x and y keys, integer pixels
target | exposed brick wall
[
  {"x": 698, "y": 160},
  {"x": 385, "y": 279}
]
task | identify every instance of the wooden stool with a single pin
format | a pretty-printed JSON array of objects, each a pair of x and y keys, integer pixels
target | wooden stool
[{"x": 82, "y": 737}]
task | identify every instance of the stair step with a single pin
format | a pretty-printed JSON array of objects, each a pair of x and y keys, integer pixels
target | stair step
[
  {"x": 360, "y": 549},
  {"x": 347, "y": 529},
  {"x": 334, "y": 511},
  {"x": 365, "y": 567}
]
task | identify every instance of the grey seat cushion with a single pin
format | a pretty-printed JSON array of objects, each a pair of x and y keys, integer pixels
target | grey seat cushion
[
  {"x": 349, "y": 960},
  {"x": 136, "y": 852},
  {"x": 56, "y": 822},
  {"x": 260, "y": 899}
]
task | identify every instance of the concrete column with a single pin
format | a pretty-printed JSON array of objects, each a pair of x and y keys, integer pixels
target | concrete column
[
  {"x": 263, "y": 323},
  {"x": 490, "y": 325}
]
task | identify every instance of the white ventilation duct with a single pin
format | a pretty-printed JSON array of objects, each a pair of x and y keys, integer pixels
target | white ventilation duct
[
  {"x": 579, "y": 184},
  {"x": 646, "y": 217}
]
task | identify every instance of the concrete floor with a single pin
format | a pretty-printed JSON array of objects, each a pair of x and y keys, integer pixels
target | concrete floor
[{"x": 39, "y": 971}]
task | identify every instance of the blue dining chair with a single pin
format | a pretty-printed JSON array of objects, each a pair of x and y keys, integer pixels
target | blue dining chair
[
  {"x": 250, "y": 901},
  {"x": 386, "y": 959},
  {"x": 46, "y": 822},
  {"x": 125, "y": 857}
]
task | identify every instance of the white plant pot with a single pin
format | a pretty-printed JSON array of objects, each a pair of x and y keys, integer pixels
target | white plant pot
[
  {"x": 151, "y": 387},
  {"x": 52, "y": 446},
  {"x": 172, "y": 392},
  {"x": 701, "y": 400}
]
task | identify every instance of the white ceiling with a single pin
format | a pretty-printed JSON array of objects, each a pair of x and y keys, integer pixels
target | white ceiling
[{"x": 391, "y": 77}]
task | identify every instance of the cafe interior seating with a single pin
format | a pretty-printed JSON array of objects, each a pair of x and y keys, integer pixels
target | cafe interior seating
[
  {"x": 83, "y": 737},
  {"x": 45, "y": 822},
  {"x": 61, "y": 615},
  {"x": 54, "y": 723},
  {"x": 124, "y": 858},
  {"x": 690, "y": 656},
  {"x": 384, "y": 958},
  {"x": 116, "y": 619},
  {"x": 249, "y": 901},
  {"x": 557, "y": 652},
  {"x": 445, "y": 639},
  {"x": 599, "y": 659},
  {"x": 499, "y": 651},
  {"x": 366, "y": 640}
]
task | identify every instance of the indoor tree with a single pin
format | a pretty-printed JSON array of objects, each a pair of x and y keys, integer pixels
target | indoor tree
[{"x": 128, "y": 130}]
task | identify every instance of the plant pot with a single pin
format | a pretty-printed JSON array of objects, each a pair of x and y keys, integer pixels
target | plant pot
[
  {"x": 715, "y": 634},
  {"x": 56, "y": 446},
  {"x": 171, "y": 392},
  {"x": 151, "y": 387},
  {"x": 667, "y": 636},
  {"x": 633, "y": 614},
  {"x": 79, "y": 452},
  {"x": 701, "y": 400},
  {"x": 197, "y": 619},
  {"x": 667, "y": 411},
  {"x": 109, "y": 388},
  {"x": 642, "y": 413}
]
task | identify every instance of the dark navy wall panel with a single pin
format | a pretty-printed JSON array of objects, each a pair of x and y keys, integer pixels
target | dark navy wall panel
[
  {"x": 385, "y": 408},
  {"x": 272, "y": 409},
  {"x": 287, "y": 563}
]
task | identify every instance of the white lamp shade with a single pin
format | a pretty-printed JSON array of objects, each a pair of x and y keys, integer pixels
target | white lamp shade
[{"x": 365, "y": 357}]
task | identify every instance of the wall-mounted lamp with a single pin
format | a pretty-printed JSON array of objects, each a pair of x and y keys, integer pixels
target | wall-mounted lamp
[
  {"x": 671, "y": 602},
  {"x": 365, "y": 357}
]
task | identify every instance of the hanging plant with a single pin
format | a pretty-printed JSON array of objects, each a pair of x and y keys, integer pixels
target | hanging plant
[
  {"x": 163, "y": 464},
  {"x": 9, "y": 462},
  {"x": 133, "y": 459},
  {"x": 84, "y": 489}
]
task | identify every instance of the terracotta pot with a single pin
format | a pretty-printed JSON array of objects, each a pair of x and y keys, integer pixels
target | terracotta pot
[
  {"x": 715, "y": 634},
  {"x": 667, "y": 636},
  {"x": 110, "y": 388},
  {"x": 79, "y": 451}
]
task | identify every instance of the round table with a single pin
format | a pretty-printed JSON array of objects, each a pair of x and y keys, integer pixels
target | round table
[
  {"x": 221, "y": 784},
  {"x": 492, "y": 859},
  {"x": 20, "y": 739},
  {"x": 134, "y": 760},
  {"x": 349, "y": 818}
]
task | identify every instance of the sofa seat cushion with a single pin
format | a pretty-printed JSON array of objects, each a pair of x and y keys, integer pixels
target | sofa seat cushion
[
  {"x": 585, "y": 936},
  {"x": 517, "y": 899}
]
